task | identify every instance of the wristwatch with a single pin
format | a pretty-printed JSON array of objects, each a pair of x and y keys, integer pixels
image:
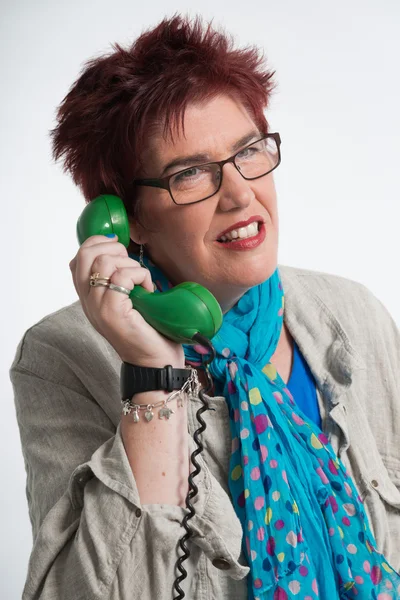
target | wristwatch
[{"x": 135, "y": 379}]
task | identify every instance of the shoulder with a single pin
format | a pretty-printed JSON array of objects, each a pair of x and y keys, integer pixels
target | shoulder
[
  {"x": 353, "y": 306},
  {"x": 323, "y": 284},
  {"x": 340, "y": 294},
  {"x": 65, "y": 336}
]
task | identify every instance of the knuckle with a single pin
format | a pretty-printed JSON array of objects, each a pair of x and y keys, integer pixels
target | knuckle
[
  {"x": 136, "y": 318},
  {"x": 82, "y": 252},
  {"x": 122, "y": 250},
  {"x": 133, "y": 264},
  {"x": 149, "y": 281},
  {"x": 103, "y": 261}
]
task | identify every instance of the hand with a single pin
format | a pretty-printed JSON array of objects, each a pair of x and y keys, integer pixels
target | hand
[{"x": 111, "y": 312}]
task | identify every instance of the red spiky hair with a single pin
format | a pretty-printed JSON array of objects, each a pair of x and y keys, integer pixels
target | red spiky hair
[{"x": 103, "y": 122}]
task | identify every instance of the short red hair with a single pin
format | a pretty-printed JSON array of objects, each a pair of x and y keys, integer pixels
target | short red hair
[{"x": 103, "y": 121}]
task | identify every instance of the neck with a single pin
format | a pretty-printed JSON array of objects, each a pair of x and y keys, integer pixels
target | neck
[
  {"x": 227, "y": 301},
  {"x": 226, "y": 296}
]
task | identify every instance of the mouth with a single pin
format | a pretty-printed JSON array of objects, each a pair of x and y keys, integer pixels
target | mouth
[
  {"x": 255, "y": 238},
  {"x": 241, "y": 233}
]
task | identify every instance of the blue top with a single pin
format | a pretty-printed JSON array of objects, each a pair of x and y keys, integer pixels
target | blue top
[{"x": 302, "y": 386}]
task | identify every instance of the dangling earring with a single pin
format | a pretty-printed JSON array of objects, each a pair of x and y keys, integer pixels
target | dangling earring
[
  {"x": 141, "y": 263},
  {"x": 141, "y": 257}
]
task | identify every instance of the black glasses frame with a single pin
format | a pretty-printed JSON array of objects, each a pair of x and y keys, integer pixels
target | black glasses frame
[{"x": 163, "y": 182}]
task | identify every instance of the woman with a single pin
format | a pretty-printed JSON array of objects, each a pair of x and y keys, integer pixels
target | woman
[{"x": 299, "y": 484}]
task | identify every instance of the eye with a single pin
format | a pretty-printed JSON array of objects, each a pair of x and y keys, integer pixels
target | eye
[
  {"x": 247, "y": 152},
  {"x": 192, "y": 172}
]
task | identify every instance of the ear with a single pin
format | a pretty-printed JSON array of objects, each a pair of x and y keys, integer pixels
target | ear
[{"x": 137, "y": 232}]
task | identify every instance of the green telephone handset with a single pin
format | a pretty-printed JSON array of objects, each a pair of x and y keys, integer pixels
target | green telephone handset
[{"x": 178, "y": 314}]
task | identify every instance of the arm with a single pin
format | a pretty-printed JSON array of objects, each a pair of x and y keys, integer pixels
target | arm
[
  {"x": 158, "y": 452},
  {"x": 92, "y": 536}
]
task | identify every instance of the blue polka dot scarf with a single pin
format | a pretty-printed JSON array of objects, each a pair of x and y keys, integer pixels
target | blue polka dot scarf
[{"x": 306, "y": 533}]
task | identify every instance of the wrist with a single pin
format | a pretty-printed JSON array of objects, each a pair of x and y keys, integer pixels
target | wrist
[
  {"x": 176, "y": 363},
  {"x": 136, "y": 379},
  {"x": 175, "y": 358}
]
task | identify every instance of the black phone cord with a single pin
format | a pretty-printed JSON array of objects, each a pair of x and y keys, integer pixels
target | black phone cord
[{"x": 193, "y": 489}]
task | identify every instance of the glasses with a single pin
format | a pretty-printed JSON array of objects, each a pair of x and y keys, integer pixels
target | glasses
[{"x": 197, "y": 183}]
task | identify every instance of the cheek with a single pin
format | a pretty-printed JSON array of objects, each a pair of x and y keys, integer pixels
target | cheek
[
  {"x": 158, "y": 215},
  {"x": 192, "y": 222},
  {"x": 178, "y": 230},
  {"x": 266, "y": 195}
]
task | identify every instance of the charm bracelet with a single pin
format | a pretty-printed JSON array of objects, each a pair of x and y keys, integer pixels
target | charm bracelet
[{"x": 191, "y": 387}]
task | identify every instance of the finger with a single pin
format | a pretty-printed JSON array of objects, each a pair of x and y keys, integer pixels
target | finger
[
  {"x": 72, "y": 267},
  {"x": 106, "y": 265},
  {"x": 90, "y": 242},
  {"x": 92, "y": 260},
  {"x": 96, "y": 245},
  {"x": 127, "y": 278},
  {"x": 98, "y": 239}
]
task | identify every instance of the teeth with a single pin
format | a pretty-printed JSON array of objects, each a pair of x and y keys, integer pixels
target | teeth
[{"x": 242, "y": 233}]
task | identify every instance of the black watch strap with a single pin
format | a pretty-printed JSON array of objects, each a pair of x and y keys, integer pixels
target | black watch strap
[{"x": 135, "y": 379}]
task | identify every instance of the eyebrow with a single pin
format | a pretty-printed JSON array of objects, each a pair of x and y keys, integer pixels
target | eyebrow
[{"x": 185, "y": 161}]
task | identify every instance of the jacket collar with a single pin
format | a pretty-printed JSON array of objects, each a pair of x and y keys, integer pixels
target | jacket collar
[{"x": 321, "y": 337}]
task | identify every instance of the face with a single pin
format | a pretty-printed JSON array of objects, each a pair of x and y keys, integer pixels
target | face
[{"x": 182, "y": 240}]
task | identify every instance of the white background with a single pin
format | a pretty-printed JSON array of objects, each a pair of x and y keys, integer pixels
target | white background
[{"x": 336, "y": 108}]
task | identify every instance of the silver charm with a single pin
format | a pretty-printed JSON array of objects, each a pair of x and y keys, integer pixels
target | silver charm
[
  {"x": 193, "y": 385},
  {"x": 189, "y": 389},
  {"x": 126, "y": 409},
  {"x": 148, "y": 415},
  {"x": 165, "y": 412}
]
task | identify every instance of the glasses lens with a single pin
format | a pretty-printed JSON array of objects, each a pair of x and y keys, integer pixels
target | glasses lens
[
  {"x": 258, "y": 159},
  {"x": 198, "y": 183},
  {"x": 194, "y": 184}
]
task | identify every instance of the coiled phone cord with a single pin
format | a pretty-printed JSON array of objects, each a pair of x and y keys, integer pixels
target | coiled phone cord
[{"x": 193, "y": 489}]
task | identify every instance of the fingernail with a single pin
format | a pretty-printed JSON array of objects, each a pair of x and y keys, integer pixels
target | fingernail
[{"x": 110, "y": 235}]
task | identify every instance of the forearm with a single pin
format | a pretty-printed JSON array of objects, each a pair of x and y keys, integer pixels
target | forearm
[{"x": 158, "y": 451}]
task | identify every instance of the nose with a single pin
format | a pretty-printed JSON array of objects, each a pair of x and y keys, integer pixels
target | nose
[{"x": 235, "y": 192}]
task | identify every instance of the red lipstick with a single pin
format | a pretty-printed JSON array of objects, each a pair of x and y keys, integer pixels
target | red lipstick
[{"x": 241, "y": 224}]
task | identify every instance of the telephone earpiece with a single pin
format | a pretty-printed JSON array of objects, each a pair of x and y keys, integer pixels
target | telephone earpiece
[
  {"x": 178, "y": 314},
  {"x": 105, "y": 214}
]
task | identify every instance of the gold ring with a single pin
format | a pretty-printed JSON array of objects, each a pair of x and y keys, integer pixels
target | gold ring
[
  {"x": 95, "y": 278},
  {"x": 103, "y": 283}
]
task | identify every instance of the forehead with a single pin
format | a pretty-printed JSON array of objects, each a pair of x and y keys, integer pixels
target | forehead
[{"x": 209, "y": 127}]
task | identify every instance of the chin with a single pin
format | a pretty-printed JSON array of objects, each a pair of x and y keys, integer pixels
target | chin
[
  {"x": 261, "y": 269},
  {"x": 260, "y": 278},
  {"x": 250, "y": 277}
]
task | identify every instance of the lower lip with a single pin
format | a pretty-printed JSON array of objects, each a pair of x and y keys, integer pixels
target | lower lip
[{"x": 248, "y": 243}]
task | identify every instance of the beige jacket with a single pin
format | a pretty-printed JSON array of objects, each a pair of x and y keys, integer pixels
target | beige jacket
[{"x": 92, "y": 537}]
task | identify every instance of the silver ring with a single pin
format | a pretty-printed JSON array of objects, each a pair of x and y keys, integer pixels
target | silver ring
[{"x": 119, "y": 288}]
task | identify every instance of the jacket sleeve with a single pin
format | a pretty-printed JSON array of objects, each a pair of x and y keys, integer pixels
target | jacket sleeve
[{"x": 92, "y": 538}]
